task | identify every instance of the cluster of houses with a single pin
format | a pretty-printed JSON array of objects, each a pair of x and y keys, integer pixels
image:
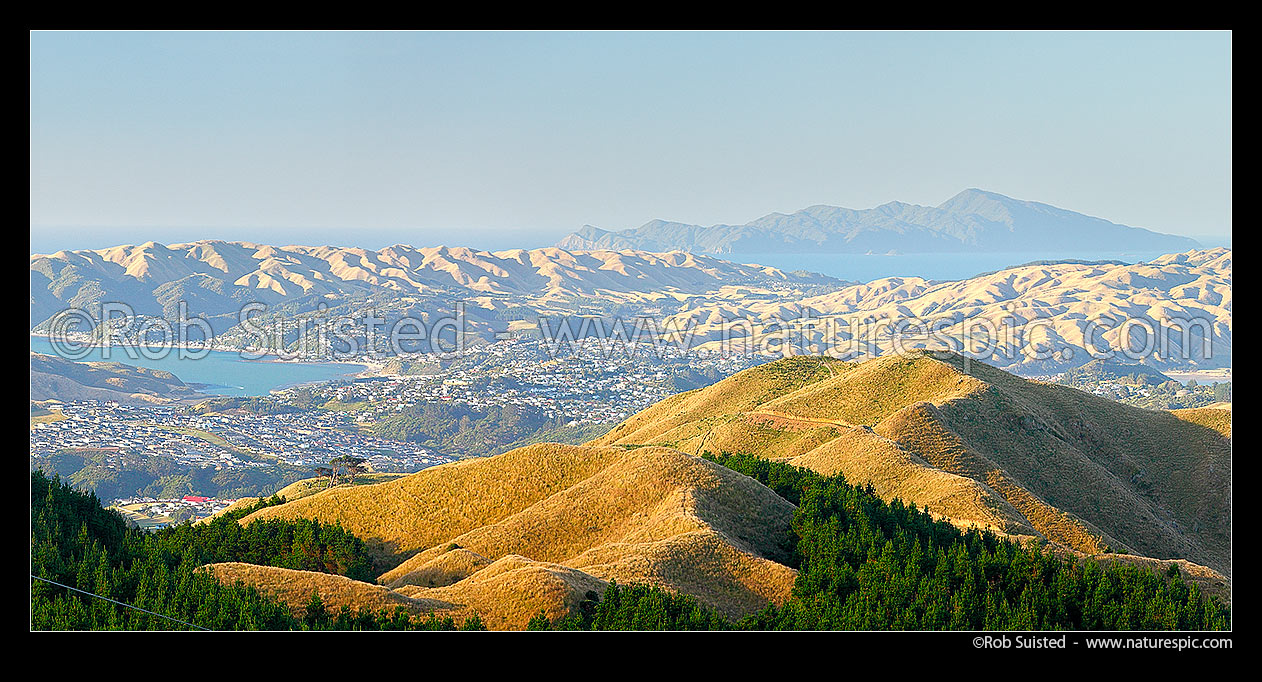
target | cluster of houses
[
  {"x": 151, "y": 513},
  {"x": 586, "y": 386},
  {"x": 304, "y": 439}
]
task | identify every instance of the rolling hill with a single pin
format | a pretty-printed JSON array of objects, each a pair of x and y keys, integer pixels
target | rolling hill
[
  {"x": 539, "y": 527},
  {"x": 973, "y": 220},
  {"x": 975, "y": 445}
]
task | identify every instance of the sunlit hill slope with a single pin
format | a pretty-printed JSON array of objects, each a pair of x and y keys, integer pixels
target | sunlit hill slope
[
  {"x": 539, "y": 527},
  {"x": 546, "y": 527},
  {"x": 975, "y": 445}
]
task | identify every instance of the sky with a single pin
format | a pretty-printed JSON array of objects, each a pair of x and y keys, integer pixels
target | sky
[{"x": 503, "y": 139}]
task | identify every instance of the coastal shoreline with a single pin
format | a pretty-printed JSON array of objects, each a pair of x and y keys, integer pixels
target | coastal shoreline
[{"x": 268, "y": 357}]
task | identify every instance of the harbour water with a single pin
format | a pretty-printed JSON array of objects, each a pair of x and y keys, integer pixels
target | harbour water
[{"x": 220, "y": 372}]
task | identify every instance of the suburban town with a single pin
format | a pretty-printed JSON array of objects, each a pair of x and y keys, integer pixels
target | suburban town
[
  {"x": 386, "y": 417},
  {"x": 159, "y": 463},
  {"x": 585, "y": 383},
  {"x": 302, "y": 439}
]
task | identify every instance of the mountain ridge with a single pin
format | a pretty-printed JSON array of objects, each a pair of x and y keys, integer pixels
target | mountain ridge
[
  {"x": 973, "y": 220},
  {"x": 1064, "y": 300},
  {"x": 216, "y": 277},
  {"x": 509, "y": 291}
]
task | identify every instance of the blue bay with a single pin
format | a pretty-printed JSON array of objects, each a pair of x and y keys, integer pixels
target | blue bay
[{"x": 220, "y": 373}]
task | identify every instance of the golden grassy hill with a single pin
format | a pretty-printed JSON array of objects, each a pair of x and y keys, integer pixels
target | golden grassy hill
[
  {"x": 294, "y": 588},
  {"x": 976, "y": 445},
  {"x": 416, "y": 512},
  {"x": 1213, "y": 417},
  {"x": 301, "y": 489},
  {"x": 310, "y": 486},
  {"x": 694, "y": 414},
  {"x": 566, "y": 519},
  {"x": 506, "y": 594},
  {"x": 440, "y": 569}
]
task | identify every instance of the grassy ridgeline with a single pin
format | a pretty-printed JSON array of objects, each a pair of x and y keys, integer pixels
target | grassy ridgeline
[{"x": 867, "y": 565}]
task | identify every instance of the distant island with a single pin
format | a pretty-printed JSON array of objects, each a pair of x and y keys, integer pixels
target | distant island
[{"x": 972, "y": 221}]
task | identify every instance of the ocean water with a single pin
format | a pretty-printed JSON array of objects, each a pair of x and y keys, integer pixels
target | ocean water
[
  {"x": 937, "y": 266},
  {"x": 221, "y": 373}
]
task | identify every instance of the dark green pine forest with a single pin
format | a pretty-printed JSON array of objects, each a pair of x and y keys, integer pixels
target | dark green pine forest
[
  {"x": 76, "y": 542},
  {"x": 863, "y": 564}
]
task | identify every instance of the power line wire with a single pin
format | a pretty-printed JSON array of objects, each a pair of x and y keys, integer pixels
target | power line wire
[{"x": 114, "y": 601}]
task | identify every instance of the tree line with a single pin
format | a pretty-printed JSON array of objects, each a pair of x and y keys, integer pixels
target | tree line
[{"x": 78, "y": 543}]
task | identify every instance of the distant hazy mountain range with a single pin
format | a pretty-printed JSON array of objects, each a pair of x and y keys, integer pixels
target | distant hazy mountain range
[{"x": 973, "y": 220}]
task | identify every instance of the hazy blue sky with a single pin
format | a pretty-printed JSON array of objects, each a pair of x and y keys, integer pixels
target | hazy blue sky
[{"x": 515, "y": 139}]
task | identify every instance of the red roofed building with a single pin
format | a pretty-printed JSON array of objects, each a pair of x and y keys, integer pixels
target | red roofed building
[{"x": 194, "y": 498}]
